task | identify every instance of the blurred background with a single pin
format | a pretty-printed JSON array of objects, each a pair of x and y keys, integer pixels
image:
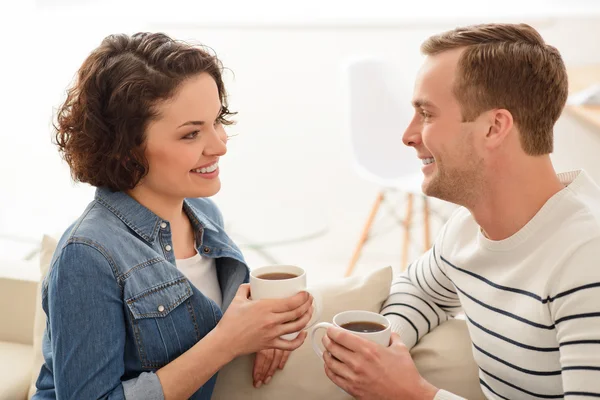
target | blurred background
[{"x": 292, "y": 192}]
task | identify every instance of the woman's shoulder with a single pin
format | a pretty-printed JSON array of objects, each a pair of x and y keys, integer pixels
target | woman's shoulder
[{"x": 91, "y": 237}]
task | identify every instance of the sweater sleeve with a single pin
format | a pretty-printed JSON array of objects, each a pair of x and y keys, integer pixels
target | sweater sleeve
[
  {"x": 575, "y": 308},
  {"x": 422, "y": 297}
]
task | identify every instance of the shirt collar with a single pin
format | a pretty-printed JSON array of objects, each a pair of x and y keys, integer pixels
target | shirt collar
[{"x": 143, "y": 221}]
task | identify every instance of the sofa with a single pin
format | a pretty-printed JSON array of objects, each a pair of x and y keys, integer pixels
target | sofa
[{"x": 444, "y": 357}]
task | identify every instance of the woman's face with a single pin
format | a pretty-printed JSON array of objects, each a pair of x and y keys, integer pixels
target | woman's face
[{"x": 184, "y": 144}]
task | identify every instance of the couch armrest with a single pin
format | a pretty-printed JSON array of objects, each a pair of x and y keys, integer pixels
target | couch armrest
[{"x": 18, "y": 297}]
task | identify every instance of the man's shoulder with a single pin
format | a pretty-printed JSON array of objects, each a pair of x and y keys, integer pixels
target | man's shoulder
[
  {"x": 577, "y": 218},
  {"x": 459, "y": 231},
  {"x": 586, "y": 198},
  {"x": 461, "y": 222}
]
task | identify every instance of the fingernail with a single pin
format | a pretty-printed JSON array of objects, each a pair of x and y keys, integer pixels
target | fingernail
[
  {"x": 258, "y": 384},
  {"x": 267, "y": 380}
]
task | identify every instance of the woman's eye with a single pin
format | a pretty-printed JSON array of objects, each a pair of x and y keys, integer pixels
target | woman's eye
[{"x": 191, "y": 135}]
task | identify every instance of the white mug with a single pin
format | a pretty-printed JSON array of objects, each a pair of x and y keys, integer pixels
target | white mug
[
  {"x": 380, "y": 337},
  {"x": 282, "y": 288}
]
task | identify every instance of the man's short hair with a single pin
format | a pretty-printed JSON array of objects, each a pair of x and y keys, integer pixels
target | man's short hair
[{"x": 508, "y": 66}]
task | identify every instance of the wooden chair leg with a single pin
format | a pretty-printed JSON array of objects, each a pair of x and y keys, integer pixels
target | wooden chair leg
[
  {"x": 426, "y": 238},
  {"x": 407, "y": 226},
  {"x": 365, "y": 234}
]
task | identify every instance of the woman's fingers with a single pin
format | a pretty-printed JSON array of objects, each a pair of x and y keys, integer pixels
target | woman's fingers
[
  {"x": 263, "y": 360},
  {"x": 287, "y": 304},
  {"x": 289, "y": 345},
  {"x": 278, "y": 355},
  {"x": 286, "y": 355},
  {"x": 243, "y": 291},
  {"x": 296, "y": 325}
]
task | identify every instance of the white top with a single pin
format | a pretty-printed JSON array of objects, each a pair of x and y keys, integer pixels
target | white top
[
  {"x": 532, "y": 301},
  {"x": 202, "y": 272}
]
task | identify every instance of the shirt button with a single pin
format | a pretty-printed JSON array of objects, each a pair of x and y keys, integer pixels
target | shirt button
[
  {"x": 161, "y": 308},
  {"x": 168, "y": 248},
  {"x": 206, "y": 250},
  {"x": 163, "y": 225}
]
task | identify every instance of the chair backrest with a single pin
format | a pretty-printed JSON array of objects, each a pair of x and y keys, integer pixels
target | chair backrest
[{"x": 379, "y": 112}]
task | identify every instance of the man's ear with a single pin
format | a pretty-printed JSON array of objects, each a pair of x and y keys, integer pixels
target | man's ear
[{"x": 500, "y": 126}]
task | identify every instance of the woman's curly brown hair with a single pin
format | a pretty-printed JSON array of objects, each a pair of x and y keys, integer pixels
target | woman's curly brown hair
[{"x": 100, "y": 127}]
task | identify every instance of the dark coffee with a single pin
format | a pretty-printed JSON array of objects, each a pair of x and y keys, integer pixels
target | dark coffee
[
  {"x": 277, "y": 276},
  {"x": 363, "y": 327}
]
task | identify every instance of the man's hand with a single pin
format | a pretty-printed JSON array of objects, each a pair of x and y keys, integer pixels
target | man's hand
[
  {"x": 266, "y": 363},
  {"x": 369, "y": 371}
]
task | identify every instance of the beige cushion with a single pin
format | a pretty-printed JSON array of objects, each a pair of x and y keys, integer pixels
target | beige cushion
[
  {"x": 15, "y": 370},
  {"x": 444, "y": 358},
  {"x": 48, "y": 246},
  {"x": 17, "y": 307},
  {"x": 303, "y": 376}
]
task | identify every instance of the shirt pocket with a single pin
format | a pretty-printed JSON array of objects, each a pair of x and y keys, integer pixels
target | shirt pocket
[{"x": 164, "y": 322}]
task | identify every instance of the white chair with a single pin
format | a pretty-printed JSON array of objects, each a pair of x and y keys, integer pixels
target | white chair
[{"x": 379, "y": 112}]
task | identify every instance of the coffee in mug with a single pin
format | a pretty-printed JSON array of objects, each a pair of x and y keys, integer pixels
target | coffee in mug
[
  {"x": 277, "y": 276},
  {"x": 366, "y": 324},
  {"x": 363, "y": 326}
]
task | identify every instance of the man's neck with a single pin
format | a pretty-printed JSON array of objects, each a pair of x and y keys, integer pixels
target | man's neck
[{"x": 514, "y": 195}]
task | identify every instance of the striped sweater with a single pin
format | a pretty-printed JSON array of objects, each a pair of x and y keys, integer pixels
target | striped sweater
[{"x": 531, "y": 301}]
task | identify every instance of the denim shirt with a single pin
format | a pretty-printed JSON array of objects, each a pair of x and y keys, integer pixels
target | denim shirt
[{"x": 117, "y": 307}]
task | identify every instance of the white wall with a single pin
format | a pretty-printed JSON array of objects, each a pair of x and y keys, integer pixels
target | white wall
[{"x": 288, "y": 171}]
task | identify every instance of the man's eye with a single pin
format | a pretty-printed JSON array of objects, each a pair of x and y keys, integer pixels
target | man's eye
[{"x": 424, "y": 114}]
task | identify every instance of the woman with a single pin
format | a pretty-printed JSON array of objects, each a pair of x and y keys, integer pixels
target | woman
[{"x": 136, "y": 288}]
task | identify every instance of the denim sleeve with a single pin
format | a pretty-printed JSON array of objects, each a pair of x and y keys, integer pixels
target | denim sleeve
[{"x": 87, "y": 328}]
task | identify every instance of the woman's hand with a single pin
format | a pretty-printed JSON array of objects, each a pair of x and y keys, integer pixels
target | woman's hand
[
  {"x": 249, "y": 326},
  {"x": 266, "y": 363}
]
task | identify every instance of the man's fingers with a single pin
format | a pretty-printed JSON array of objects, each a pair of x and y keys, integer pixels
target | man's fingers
[
  {"x": 351, "y": 342},
  {"x": 339, "y": 352},
  {"x": 286, "y": 355},
  {"x": 338, "y": 368},
  {"x": 338, "y": 380},
  {"x": 396, "y": 340}
]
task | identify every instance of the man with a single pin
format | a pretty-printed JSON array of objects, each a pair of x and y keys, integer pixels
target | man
[{"x": 521, "y": 257}]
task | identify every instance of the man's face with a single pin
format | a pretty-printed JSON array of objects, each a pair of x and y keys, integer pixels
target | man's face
[{"x": 452, "y": 165}]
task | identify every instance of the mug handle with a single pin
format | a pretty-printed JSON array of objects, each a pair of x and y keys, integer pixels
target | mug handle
[
  {"x": 316, "y": 348},
  {"x": 318, "y": 304}
]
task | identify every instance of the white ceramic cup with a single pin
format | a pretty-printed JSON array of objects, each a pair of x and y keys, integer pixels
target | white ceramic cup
[
  {"x": 282, "y": 288},
  {"x": 380, "y": 337}
]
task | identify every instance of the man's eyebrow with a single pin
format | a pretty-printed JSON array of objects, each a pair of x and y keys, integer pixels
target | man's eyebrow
[{"x": 420, "y": 103}]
